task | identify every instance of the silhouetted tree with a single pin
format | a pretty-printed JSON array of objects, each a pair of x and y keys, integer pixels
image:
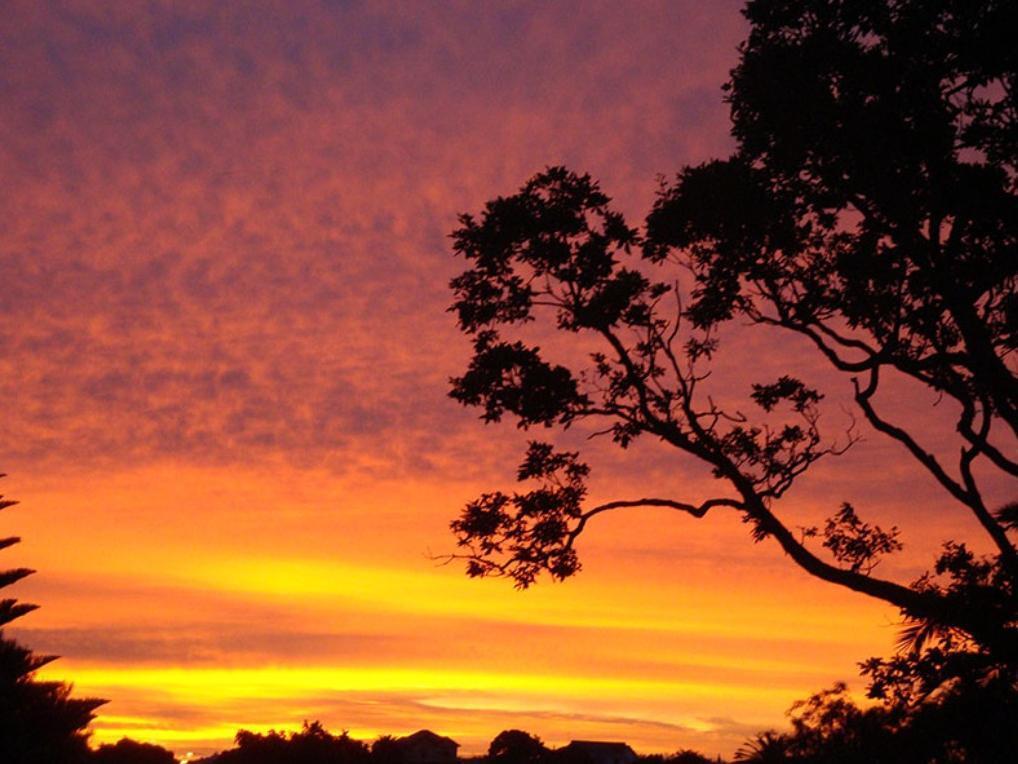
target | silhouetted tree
[
  {"x": 767, "y": 747},
  {"x": 516, "y": 747},
  {"x": 871, "y": 207},
  {"x": 127, "y": 751},
  {"x": 970, "y": 725},
  {"x": 311, "y": 745},
  {"x": 386, "y": 750},
  {"x": 40, "y": 723},
  {"x": 829, "y": 726}
]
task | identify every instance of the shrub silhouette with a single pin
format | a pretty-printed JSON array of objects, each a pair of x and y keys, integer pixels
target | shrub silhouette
[
  {"x": 516, "y": 747},
  {"x": 386, "y": 750},
  {"x": 311, "y": 745},
  {"x": 127, "y": 751}
]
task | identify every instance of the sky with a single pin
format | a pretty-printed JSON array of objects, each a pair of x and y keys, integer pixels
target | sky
[{"x": 224, "y": 267}]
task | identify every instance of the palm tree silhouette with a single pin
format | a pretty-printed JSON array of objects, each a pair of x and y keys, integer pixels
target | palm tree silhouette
[{"x": 764, "y": 748}]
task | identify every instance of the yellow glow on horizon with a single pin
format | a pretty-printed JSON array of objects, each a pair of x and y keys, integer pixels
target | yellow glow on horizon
[
  {"x": 244, "y": 698},
  {"x": 651, "y": 653},
  {"x": 212, "y": 684},
  {"x": 434, "y": 591}
]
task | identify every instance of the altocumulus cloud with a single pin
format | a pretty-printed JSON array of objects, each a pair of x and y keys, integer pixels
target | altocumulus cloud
[{"x": 224, "y": 226}]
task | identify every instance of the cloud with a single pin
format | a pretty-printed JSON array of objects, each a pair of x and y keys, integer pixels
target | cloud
[
  {"x": 226, "y": 226},
  {"x": 206, "y": 644}
]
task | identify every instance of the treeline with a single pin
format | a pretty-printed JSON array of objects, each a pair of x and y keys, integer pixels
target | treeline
[{"x": 313, "y": 744}]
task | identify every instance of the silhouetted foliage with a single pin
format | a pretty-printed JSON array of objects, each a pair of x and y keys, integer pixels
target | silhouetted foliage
[
  {"x": 127, "y": 751},
  {"x": 764, "y": 748},
  {"x": 683, "y": 756},
  {"x": 689, "y": 756},
  {"x": 40, "y": 723},
  {"x": 516, "y": 747},
  {"x": 386, "y": 750},
  {"x": 871, "y": 208},
  {"x": 311, "y": 745},
  {"x": 973, "y": 724}
]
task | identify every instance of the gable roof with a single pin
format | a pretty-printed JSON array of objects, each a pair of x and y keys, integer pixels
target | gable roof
[
  {"x": 427, "y": 736},
  {"x": 598, "y": 745},
  {"x": 601, "y": 745}
]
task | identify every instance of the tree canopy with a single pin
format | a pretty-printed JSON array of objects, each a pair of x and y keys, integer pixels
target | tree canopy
[
  {"x": 127, "y": 751},
  {"x": 40, "y": 723},
  {"x": 516, "y": 747},
  {"x": 870, "y": 207},
  {"x": 312, "y": 744}
]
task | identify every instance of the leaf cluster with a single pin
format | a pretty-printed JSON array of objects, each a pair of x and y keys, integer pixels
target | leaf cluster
[{"x": 524, "y": 533}]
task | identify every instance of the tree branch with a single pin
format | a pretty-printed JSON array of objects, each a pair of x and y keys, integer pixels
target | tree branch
[
  {"x": 967, "y": 495},
  {"x": 696, "y": 510},
  {"x": 863, "y": 398}
]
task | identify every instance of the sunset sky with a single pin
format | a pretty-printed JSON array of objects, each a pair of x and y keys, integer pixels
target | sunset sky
[{"x": 224, "y": 267}]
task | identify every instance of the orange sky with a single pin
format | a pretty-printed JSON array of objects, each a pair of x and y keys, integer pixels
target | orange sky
[{"x": 223, "y": 260}]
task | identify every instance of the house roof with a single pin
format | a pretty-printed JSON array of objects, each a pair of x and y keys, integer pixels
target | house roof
[
  {"x": 597, "y": 745},
  {"x": 427, "y": 736}
]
